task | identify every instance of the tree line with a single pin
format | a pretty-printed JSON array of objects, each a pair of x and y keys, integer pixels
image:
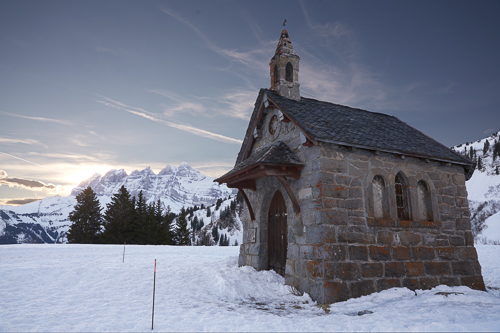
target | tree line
[{"x": 126, "y": 219}]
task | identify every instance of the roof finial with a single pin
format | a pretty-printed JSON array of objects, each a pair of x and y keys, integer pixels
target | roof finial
[{"x": 284, "y": 23}]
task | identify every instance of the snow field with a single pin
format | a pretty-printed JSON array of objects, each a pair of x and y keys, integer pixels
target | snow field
[{"x": 88, "y": 288}]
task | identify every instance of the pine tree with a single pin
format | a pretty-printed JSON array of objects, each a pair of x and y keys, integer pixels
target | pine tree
[
  {"x": 215, "y": 234},
  {"x": 151, "y": 226},
  {"x": 166, "y": 232},
  {"x": 118, "y": 218},
  {"x": 218, "y": 203},
  {"x": 479, "y": 164},
  {"x": 86, "y": 218},
  {"x": 208, "y": 212},
  {"x": 182, "y": 234},
  {"x": 486, "y": 147},
  {"x": 239, "y": 197},
  {"x": 139, "y": 226}
]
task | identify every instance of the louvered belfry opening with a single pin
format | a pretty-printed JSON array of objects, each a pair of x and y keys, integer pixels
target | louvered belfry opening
[{"x": 277, "y": 234}]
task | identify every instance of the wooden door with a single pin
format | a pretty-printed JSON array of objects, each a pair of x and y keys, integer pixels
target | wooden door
[{"x": 277, "y": 234}]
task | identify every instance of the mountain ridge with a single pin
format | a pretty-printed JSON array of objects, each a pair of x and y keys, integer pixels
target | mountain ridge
[{"x": 46, "y": 220}]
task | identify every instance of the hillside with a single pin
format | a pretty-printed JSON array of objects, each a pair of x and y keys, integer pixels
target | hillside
[{"x": 484, "y": 187}]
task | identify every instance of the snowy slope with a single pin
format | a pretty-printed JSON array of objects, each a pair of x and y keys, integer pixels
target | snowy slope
[
  {"x": 87, "y": 288},
  {"x": 46, "y": 221},
  {"x": 232, "y": 228},
  {"x": 484, "y": 187}
]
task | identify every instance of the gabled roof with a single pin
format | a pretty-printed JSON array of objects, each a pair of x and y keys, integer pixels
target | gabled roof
[
  {"x": 339, "y": 124},
  {"x": 277, "y": 154}
]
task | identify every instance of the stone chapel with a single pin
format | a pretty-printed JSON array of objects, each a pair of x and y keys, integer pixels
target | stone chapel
[{"x": 345, "y": 202}]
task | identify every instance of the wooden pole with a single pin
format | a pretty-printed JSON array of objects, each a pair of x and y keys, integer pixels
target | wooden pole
[
  {"x": 124, "y": 251},
  {"x": 154, "y": 286}
]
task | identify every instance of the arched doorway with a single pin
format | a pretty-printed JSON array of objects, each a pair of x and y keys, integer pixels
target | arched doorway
[{"x": 277, "y": 240}]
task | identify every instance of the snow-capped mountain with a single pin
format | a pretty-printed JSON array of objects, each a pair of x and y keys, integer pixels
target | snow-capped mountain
[
  {"x": 484, "y": 187},
  {"x": 174, "y": 186},
  {"x": 46, "y": 221}
]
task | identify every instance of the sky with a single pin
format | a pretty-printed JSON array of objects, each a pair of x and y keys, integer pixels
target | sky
[{"x": 89, "y": 86}]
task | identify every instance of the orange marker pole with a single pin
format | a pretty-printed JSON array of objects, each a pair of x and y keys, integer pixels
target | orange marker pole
[{"x": 154, "y": 286}]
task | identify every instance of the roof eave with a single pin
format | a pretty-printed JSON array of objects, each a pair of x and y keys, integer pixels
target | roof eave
[{"x": 396, "y": 152}]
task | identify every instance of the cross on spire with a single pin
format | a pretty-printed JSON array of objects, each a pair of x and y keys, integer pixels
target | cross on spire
[{"x": 284, "y": 23}]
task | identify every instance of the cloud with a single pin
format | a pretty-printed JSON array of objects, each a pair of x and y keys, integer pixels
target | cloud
[
  {"x": 237, "y": 103},
  {"x": 27, "y": 184},
  {"x": 17, "y": 202},
  {"x": 213, "y": 169},
  {"x": 58, "y": 121},
  {"x": 183, "y": 105},
  {"x": 27, "y": 161},
  {"x": 101, "y": 49},
  {"x": 328, "y": 30},
  {"x": 240, "y": 103},
  {"x": 96, "y": 157},
  {"x": 157, "y": 118},
  {"x": 3, "y": 174},
  {"x": 23, "y": 141},
  {"x": 256, "y": 59}
]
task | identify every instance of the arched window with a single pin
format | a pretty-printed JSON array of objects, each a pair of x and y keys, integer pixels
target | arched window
[
  {"x": 276, "y": 76},
  {"x": 401, "y": 197},
  {"x": 424, "y": 201},
  {"x": 289, "y": 72},
  {"x": 378, "y": 186}
]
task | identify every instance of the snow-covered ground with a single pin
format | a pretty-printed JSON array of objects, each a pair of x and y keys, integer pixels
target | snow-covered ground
[
  {"x": 491, "y": 233},
  {"x": 87, "y": 288}
]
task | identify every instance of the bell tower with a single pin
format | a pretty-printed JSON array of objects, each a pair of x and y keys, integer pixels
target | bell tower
[{"x": 284, "y": 69}]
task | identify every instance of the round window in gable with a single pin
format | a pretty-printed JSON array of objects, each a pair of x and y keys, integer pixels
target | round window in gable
[{"x": 274, "y": 125}]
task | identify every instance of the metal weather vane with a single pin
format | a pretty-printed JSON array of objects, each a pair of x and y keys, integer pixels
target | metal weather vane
[{"x": 284, "y": 23}]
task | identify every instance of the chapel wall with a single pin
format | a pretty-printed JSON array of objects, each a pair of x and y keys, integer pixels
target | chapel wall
[{"x": 347, "y": 252}]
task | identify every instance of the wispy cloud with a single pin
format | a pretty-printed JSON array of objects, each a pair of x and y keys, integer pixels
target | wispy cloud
[
  {"x": 327, "y": 30},
  {"x": 96, "y": 157},
  {"x": 257, "y": 58},
  {"x": 237, "y": 103},
  {"x": 50, "y": 120},
  {"x": 101, "y": 49},
  {"x": 158, "y": 118},
  {"x": 213, "y": 169},
  {"x": 181, "y": 104},
  {"x": 23, "y": 141},
  {"x": 31, "y": 162}
]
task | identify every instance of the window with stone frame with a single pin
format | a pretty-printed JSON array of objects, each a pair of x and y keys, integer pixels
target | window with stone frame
[
  {"x": 424, "y": 201},
  {"x": 289, "y": 72},
  {"x": 378, "y": 189},
  {"x": 401, "y": 197},
  {"x": 276, "y": 76}
]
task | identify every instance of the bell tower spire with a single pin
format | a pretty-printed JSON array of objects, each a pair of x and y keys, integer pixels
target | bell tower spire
[{"x": 284, "y": 68}]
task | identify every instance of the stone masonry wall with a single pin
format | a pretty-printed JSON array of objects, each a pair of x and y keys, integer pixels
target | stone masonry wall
[{"x": 338, "y": 249}]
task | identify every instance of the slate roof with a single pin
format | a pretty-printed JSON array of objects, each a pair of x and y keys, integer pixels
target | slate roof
[
  {"x": 344, "y": 125},
  {"x": 276, "y": 154}
]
